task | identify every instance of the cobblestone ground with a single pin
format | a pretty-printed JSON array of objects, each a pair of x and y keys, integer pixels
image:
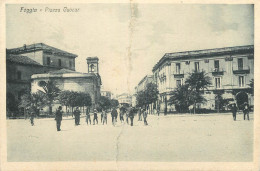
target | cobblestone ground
[{"x": 176, "y": 138}]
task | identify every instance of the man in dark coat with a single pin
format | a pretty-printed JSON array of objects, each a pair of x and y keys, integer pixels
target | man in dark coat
[
  {"x": 131, "y": 116},
  {"x": 58, "y": 117},
  {"x": 95, "y": 117},
  {"x": 114, "y": 115},
  {"x": 31, "y": 112},
  {"x": 145, "y": 117},
  {"x": 246, "y": 111},
  {"x": 234, "y": 111},
  {"x": 77, "y": 116}
]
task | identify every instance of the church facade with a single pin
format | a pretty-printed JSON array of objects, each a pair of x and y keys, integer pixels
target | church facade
[{"x": 68, "y": 80}]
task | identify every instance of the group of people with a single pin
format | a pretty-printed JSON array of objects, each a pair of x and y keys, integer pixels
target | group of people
[
  {"x": 245, "y": 108},
  {"x": 127, "y": 113}
]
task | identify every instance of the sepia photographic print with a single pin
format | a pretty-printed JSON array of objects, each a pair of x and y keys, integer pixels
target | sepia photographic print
[{"x": 129, "y": 85}]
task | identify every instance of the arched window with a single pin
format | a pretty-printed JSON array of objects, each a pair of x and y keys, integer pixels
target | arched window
[{"x": 92, "y": 67}]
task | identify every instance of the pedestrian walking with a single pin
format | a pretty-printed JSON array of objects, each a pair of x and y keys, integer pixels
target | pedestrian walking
[
  {"x": 77, "y": 116},
  {"x": 32, "y": 114},
  {"x": 58, "y": 117},
  {"x": 158, "y": 111},
  {"x": 127, "y": 116},
  {"x": 88, "y": 119},
  {"x": 145, "y": 117},
  {"x": 246, "y": 111},
  {"x": 114, "y": 115},
  {"x": 122, "y": 114},
  {"x": 95, "y": 117},
  {"x": 131, "y": 116},
  {"x": 234, "y": 111},
  {"x": 104, "y": 117},
  {"x": 140, "y": 114}
]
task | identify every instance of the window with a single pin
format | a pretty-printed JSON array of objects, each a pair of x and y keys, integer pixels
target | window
[
  {"x": 48, "y": 60},
  {"x": 92, "y": 68},
  {"x": 216, "y": 65},
  {"x": 59, "y": 62},
  {"x": 178, "y": 68},
  {"x": 70, "y": 64},
  {"x": 178, "y": 83},
  {"x": 240, "y": 63},
  {"x": 217, "y": 82},
  {"x": 197, "y": 66},
  {"x": 241, "y": 81},
  {"x": 19, "y": 75}
]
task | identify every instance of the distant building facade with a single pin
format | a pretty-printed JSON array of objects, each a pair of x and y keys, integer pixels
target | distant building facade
[
  {"x": 23, "y": 62},
  {"x": 230, "y": 70},
  {"x": 124, "y": 98},
  {"x": 107, "y": 94}
]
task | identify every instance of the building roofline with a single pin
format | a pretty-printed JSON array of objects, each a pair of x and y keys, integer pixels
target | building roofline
[
  {"x": 38, "y": 47},
  {"x": 203, "y": 53},
  {"x": 142, "y": 80}
]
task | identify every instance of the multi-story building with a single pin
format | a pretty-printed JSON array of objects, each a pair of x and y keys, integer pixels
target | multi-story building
[
  {"x": 141, "y": 87},
  {"x": 124, "y": 98},
  {"x": 23, "y": 62},
  {"x": 230, "y": 70},
  {"x": 73, "y": 81},
  {"x": 46, "y": 55},
  {"x": 107, "y": 94},
  {"x": 142, "y": 84}
]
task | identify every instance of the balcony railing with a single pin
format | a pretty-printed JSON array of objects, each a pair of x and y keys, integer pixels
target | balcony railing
[
  {"x": 241, "y": 70},
  {"x": 178, "y": 74},
  {"x": 217, "y": 71}
]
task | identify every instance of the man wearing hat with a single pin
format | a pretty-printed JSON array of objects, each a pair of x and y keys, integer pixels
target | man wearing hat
[
  {"x": 95, "y": 117},
  {"x": 77, "y": 116},
  {"x": 58, "y": 117},
  {"x": 246, "y": 111}
]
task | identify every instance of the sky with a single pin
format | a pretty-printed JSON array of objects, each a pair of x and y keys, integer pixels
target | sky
[{"x": 129, "y": 39}]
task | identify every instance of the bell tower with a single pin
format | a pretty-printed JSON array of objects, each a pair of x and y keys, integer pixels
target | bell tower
[{"x": 93, "y": 65}]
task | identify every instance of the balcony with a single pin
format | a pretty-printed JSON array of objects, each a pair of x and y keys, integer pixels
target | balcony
[
  {"x": 244, "y": 70},
  {"x": 178, "y": 74},
  {"x": 217, "y": 71}
]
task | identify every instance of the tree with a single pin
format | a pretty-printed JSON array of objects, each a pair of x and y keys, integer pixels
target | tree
[
  {"x": 148, "y": 96},
  {"x": 197, "y": 83},
  {"x": 34, "y": 101},
  {"x": 51, "y": 91},
  {"x": 181, "y": 98},
  {"x": 114, "y": 103},
  {"x": 64, "y": 98},
  {"x": 251, "y": 84},
  {"x": 104, "y": 102}
]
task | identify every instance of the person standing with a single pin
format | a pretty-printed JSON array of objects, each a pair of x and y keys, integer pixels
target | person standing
[
  {"x": 88, "y": 119},
  {"x": 95, "y": 117},
  {"x": 77, "y": 116},
  {"x": 246, "y": 111},
  {"x": 131, "y": 116},
  {"x": 58, "y": 117},
  {"x": 32, "y": 111},
  {"x": 104, "y": 116},
  {"x": 140, "y": 114},
  {"x": 122, "y": 114},
  {"x": 145, "y": 117},
  {"x": 113, "y": 115},
  {"x": 234, "y": 111},
  {"x": 158, "y": 111},
  {"x": 127, "y": 116}
]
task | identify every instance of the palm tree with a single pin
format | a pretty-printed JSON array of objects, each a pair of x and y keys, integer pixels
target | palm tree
[
  {"x": 181, "y": 98},
  {"x": 51, "y": 91},
  {"x": 197, "y": 83}
]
